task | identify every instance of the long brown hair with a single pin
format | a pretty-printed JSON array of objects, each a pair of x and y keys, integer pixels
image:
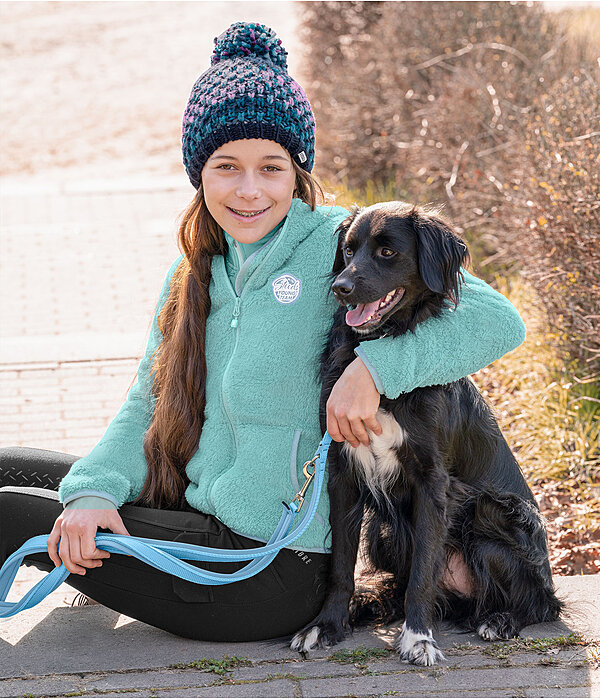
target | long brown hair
[{"x": 179, "y": 362}]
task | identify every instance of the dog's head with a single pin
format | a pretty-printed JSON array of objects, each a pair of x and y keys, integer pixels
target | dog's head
[{"x": 395, "y": 262}]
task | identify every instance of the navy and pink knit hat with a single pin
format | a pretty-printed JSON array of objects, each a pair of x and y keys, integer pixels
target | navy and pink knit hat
[{"x": 246, "y": 94}]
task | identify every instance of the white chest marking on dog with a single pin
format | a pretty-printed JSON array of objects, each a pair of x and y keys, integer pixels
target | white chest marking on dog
[{"x": 379, "y": 461}]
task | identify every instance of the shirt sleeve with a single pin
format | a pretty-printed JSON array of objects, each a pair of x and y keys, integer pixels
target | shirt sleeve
[
  {"x": 462, "y": 340},
  {"x": 90, "y": 502},
  {"x": 117, "y": 464}
]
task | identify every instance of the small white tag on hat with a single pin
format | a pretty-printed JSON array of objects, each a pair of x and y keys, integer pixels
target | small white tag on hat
[{"x": 302, "y": 157}]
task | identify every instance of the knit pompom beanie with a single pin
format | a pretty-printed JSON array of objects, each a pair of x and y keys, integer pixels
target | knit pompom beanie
[{"x": 246, "y": 94}]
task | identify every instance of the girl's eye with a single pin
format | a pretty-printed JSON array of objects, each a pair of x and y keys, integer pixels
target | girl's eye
[
  {"x": 229, "y": 166},
  {"x": 387, "y": 253}
]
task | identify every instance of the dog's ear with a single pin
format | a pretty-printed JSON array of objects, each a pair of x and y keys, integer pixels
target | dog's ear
[
  {"x": 338, "y": 263},
  {"x": 441, "y": 253}
]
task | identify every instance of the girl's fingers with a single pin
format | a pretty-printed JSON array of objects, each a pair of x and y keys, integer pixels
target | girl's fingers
[
  {"x": 65, "y": 552},
  {"x": 333, "y": 427},
  {"x": 89, "y": 551},
  {"x": 347, "y": 432},
  {"x": 117, "y": 525},
  {"x": 373, "y": 424},
  {"x": 53, "y": 538},
  {"x": 358, "y": 429}
]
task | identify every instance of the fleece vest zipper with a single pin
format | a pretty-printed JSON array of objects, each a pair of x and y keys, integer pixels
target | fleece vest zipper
[{"x": 237, "y": 292}]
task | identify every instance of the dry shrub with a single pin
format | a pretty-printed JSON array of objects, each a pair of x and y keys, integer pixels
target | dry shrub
[
  {"x": 557, "y": 217},
  {"x": 441, "y": 99},
  {"x": 428, "y": 93}
]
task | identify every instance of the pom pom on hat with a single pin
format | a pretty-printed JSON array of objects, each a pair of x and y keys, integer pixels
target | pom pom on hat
[
  {"x": 246, "y": 94},
  {"x": 249, "y": 39}
]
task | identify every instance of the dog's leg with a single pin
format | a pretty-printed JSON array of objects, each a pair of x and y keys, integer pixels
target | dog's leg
[
  {"x": 415, "y": 643},
  {"x": 331, "y": 624},
  {"x": 509, "y": 557}
]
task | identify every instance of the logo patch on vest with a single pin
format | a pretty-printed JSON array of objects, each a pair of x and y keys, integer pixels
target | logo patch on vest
[{"x": 286, "y": 288}]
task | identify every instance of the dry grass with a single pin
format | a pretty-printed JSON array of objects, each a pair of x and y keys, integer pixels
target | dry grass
[
  {"x": 549, "y": 412},
  {"x": 583, "y": 23}
]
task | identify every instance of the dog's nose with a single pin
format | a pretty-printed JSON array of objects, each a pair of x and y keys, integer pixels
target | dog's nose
[{"x": 342, "y": 287}]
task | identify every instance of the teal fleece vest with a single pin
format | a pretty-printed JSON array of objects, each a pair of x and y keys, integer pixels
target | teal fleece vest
[{"x": 263, "y": 346}]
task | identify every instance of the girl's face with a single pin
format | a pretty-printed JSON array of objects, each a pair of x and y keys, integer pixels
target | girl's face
[{"x": 248, "y": 187}]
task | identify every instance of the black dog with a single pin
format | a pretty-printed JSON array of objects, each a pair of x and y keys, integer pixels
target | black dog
[{"x": 447, "y": 511}]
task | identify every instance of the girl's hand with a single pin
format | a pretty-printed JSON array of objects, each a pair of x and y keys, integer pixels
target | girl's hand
[
  {"x": 76, "y": 529},
  {"x": 352, "y": 406}
]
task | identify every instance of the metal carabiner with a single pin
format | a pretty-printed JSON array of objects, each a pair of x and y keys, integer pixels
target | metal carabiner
[{"x": 299, "y": 497}]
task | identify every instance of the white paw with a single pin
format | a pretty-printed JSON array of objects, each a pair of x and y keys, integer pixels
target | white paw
[
  {"x": 305, "y": 641},
  {"x": 487, "y": 632},
  {"x": 417, "y": 648}
]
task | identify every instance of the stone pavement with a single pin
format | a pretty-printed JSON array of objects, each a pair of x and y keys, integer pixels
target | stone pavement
[
  {"x": 83, "y": 257},
  {"x": 55, "y": 650}
]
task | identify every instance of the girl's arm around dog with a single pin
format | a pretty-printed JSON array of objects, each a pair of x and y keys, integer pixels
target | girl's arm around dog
[{"x": 483, "y": 327}]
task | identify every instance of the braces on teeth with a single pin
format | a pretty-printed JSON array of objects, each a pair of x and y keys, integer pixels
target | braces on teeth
[{"x": 246, "y": 214}]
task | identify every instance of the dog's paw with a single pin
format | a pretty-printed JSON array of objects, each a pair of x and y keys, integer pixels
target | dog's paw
[
  {"x": 315, "y": 635},
  {"x": 498, "y": 626},
  {"x": 417, "y": 647},
  {"x": 306, "y": 639}
]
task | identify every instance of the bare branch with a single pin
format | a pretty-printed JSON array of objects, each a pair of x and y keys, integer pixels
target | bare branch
[
  {"x": 470, "y": 47},
  {"x": 452, "y": 181},
  {"x": 493, "y": 149},
  {"x": 585, "y": 136}
]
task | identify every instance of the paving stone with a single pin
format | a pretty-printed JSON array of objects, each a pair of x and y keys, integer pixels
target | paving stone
[
  {"x": 561, "y": 692},
  {"x": 395, "y": 664},
  {"x": 165, "y": 678},
  {"x": 271, "y": 689},
  {"x": 299, "y": 669},
  {"x": 39, "y": 686},
  {"x": 497, "y": 693},
  {"x": 438, "y": 679}
]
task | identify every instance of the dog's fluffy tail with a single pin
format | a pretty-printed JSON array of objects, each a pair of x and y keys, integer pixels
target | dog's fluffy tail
[{"x": 376, "y": 600}]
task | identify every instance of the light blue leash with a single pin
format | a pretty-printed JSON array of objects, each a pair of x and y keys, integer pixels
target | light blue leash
[{"x": 167, "y": 556}]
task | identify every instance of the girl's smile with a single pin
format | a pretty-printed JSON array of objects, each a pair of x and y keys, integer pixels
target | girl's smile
[{"x": 248, "y": 187}]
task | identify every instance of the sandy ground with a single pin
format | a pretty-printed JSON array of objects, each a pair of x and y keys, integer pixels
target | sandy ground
[{"x": 103, "y": 83}]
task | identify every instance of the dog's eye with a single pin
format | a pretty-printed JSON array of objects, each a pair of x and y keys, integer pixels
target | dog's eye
[
  {"x": 387, "y": 253},
  {"x": 348, "y": 251}
]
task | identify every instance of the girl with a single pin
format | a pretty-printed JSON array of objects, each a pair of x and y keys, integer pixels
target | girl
[{"x": 224, "y": 413}]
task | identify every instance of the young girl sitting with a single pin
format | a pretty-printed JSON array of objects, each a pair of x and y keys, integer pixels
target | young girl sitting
[{"x": 225, "y": 410}]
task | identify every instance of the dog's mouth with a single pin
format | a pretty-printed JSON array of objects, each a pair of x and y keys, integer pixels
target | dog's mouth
[{"x": 369, "y": 315}]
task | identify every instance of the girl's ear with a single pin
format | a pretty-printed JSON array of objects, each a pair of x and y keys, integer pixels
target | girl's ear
[
  {"x": 338, "y": 263},
  {"x": 441, "y": 253}
]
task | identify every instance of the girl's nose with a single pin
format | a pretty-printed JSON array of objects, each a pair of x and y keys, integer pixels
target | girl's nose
[{"x": 247, "y": 186}]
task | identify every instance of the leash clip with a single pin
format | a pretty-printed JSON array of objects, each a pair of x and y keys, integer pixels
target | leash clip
[{"x": 299, "y": 497}]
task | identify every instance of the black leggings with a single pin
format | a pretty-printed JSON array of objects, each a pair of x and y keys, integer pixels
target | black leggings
[{"x": 276, "y": 602}]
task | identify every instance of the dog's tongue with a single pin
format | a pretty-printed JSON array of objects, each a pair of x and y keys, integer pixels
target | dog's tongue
[{"x": 359, "y": 315}]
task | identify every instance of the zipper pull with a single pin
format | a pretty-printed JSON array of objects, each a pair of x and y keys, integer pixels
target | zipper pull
[{"x": 236, "y": 313}]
